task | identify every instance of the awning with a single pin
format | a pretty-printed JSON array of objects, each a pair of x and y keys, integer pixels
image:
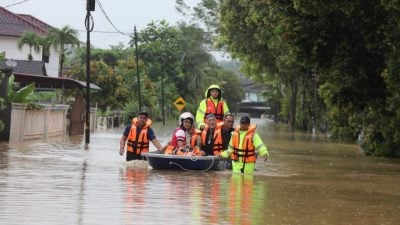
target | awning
[{"x": 52, "y": 82}]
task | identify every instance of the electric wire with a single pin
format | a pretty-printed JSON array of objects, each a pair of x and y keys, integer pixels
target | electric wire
[{"x": 17, "y": 3}]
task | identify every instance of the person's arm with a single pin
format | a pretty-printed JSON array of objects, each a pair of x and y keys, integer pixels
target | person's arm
[
  {"x": 260, "y": 146},
  {"x": 123, "y": 139},
  {"x": 122, "y": 145},
  {"x": 156, "y": 143},
  {"x": 226, "y": 109},
  {"x": 228, "y": 152},
  {"x": 200, "y": 114}
]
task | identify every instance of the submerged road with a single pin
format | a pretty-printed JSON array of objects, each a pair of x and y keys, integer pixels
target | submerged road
[{"x": 307, "y": 181}]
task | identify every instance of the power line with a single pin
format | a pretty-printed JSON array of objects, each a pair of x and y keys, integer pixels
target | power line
[
  {"x": 17, "y": 3},
  {"x": 108, "y": 19}
]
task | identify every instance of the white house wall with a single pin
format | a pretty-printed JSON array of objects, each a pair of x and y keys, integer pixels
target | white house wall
[{"x": 8, "y": 44}]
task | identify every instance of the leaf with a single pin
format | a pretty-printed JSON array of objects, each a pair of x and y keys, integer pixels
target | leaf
[{"x": 21, "y": 95}]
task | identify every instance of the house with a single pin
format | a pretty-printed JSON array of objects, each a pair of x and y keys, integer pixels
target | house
[{"x": 12, "y": 27}]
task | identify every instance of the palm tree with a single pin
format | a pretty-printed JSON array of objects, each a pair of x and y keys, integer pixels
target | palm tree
[
  {"x": 32, "y": 40},
  {"x": 59, "y": 38}
]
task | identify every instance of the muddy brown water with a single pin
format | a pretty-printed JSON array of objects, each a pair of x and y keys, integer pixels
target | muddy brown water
[{"x": 307, "y": 181}]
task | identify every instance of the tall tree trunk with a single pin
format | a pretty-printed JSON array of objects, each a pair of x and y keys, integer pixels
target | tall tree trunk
[{"x": 293, "y": 103}]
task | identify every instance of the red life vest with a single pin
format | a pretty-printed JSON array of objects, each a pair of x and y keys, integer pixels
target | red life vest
[{"x": 218, "y": 110}]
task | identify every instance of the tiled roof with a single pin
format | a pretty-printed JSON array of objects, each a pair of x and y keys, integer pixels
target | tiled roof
[
  {"x": 12, "y": 24},
  {"x": 36, "y": 21},
  {"x": 28, "y": 67}
]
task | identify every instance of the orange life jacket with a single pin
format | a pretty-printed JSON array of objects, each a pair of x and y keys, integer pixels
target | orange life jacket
[
  {"x": 217, "y": 137},
  {"x": 217, "y": 111},
  {"x": 246, "y": 152},
  {"x": 196, "y": 151},
  {"x": 138, "y": 143}
]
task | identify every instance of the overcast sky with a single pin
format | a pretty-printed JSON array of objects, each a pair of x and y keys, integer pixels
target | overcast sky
[{"x": 124, "y": 14}]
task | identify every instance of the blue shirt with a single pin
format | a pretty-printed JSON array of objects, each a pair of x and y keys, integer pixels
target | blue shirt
[{"x": 150, "y": 132}]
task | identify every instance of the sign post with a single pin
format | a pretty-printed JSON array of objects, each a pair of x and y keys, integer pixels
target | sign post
[{"x": 180, "y": 103}]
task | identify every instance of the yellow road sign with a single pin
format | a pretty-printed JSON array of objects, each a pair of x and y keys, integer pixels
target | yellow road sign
[{"x": 180, "y": 103}]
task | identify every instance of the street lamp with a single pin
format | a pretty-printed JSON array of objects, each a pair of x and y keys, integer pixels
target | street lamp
[{"x": 10, "y": 65}]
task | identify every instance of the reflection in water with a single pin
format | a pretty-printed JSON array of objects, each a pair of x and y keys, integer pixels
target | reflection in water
[{"x": 305, "y": 182}]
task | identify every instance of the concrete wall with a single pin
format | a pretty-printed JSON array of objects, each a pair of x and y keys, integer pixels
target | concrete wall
[{"x": 37, "y": 124}]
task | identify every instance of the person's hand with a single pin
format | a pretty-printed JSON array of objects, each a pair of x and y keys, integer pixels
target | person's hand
[
  {"x": 121, "y": 151},
  {"x": 203, "y": 153},
  {"x": 201, "y": 127},
  {"x": 223, "y": 155},
  {"x": 265, "y": 155}
]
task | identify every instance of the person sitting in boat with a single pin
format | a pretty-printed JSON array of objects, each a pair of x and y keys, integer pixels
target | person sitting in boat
[
  {"x": 243, "y": 146},
  {"x": 185, "y": 138},
  {"x": 136, "y": 137},
  {"x": 212, "y": 104},
  {"x": 211, "y": 138}
]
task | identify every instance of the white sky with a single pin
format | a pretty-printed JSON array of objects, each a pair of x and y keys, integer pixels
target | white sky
[{"x": 124, "y": 14}]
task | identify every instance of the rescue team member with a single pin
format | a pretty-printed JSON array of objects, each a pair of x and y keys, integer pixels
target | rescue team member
[
  {"x": 226, "y": 130},
  {"x": 243, "y": 146},
  {"x": 213, "y": 103},
  {"x": 137, "y": 136},
  {"x": 211, "y": 138},
  {"x": 185, "y": 138}
]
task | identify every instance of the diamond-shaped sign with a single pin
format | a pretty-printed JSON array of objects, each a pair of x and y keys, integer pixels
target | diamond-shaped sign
[{"x": 180, "y": 103}]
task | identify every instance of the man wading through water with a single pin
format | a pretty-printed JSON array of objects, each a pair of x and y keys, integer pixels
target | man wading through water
[
  {"x": 243, "y": 146},
  {"x": 137, "y": 136}
]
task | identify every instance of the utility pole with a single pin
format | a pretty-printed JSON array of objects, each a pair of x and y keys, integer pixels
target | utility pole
[
  {"x": 90, "y": 5},
  {"x": 162, "y": 88},
  {"x": 137, "y": 68}
]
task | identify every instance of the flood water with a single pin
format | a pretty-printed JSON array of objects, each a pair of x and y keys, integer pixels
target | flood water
[{"x": 307, "y": 181}]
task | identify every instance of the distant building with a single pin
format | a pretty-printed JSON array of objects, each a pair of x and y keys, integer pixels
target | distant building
[
  {"x": 253, "y": 92},
  {"x": 12, "y": 27}
]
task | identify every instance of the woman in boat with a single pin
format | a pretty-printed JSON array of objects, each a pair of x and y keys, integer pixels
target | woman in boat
[{"x": 185, "y": 138}]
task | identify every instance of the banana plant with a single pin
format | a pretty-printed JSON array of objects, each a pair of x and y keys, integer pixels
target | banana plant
[{"x": 27, "y": 94}]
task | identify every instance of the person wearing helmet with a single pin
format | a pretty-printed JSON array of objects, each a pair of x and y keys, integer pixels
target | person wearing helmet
[
  {"x": 212, "y": 104},
  {"x": 185, "y": 137}
]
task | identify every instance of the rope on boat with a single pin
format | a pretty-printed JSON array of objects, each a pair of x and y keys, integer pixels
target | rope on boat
[{"x": 195, "y": 159}]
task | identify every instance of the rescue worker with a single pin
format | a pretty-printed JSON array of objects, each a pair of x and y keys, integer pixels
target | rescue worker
[
  {"x": 243, "y": 146},
  {"x": 185, "y": 139},
  {"x": 213, "y": 103},
  {"x": 136, "y": 136},
  {"x": 226, "y": 130},
  {"x": 211, "y": 138},
  {"x": 226, "y": 133}
]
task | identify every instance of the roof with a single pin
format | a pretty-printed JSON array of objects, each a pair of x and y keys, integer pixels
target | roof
[
  {"x": 26, "y": 72},
  {"x": 12, "y": 24},
  {"x": 36, "y": 21},
  {"x": 51, "y": 82},
  {"x": 28, "y": 67}
]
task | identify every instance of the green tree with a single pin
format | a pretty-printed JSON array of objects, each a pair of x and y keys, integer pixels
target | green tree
[
  {"x": 32, "y": 40},
  {"x": 59, "y": 39}
]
